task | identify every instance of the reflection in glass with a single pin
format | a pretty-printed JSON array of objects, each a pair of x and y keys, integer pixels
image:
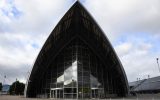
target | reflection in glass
[{"x": 70, "y": 75}]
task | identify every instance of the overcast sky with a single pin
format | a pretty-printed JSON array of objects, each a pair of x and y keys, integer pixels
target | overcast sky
[{"x": 132, "y": 26}]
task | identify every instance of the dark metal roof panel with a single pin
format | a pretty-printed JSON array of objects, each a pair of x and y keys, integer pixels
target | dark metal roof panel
[{"x": 148, "y": 84}]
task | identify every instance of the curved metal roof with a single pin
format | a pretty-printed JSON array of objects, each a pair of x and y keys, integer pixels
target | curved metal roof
[{"x": 75, "y": 23}]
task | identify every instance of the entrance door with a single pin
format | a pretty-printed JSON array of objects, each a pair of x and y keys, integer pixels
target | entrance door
[
  {"x": 57, "y": 93},
  {"x": 95, "y": 93},
  {"x": 53, "y": 94}
]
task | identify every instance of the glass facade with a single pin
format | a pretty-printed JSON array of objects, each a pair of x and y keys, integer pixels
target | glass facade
[{"x": 75, "y": 73}]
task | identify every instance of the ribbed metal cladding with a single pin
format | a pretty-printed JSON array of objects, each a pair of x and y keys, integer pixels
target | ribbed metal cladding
[{"x": 77, "y": 61}]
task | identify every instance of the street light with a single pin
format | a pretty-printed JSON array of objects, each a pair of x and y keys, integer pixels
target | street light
[
  {"x": 4, "y": 81},
  {"x": 158, "y": 64},
  {"x": 15, "y": 87}
]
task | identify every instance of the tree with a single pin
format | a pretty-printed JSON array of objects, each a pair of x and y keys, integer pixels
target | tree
[
  {"x": 0, "y": 86},
  {"x": 17, "y": 88}
]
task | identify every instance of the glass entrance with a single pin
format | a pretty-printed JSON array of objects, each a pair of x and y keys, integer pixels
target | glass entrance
[
  {"x": 53, "y": 94},
  {"x": 94, "y": 93},
  {"x": 56, "y": 93}
]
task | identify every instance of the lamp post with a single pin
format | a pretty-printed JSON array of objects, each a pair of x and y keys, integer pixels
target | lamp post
[
  {"x": 158, "y": 64},
  {"x": 15, "y": 87},
  {"x": 4, "y": 80}
]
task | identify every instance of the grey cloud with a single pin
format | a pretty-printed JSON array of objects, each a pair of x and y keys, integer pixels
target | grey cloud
[
  {"x": 12, "y": 73},
  {"x": 39, "y": 17},
  {"x": 138, "y": 61},
  {"x": 123, "y": 16}
]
